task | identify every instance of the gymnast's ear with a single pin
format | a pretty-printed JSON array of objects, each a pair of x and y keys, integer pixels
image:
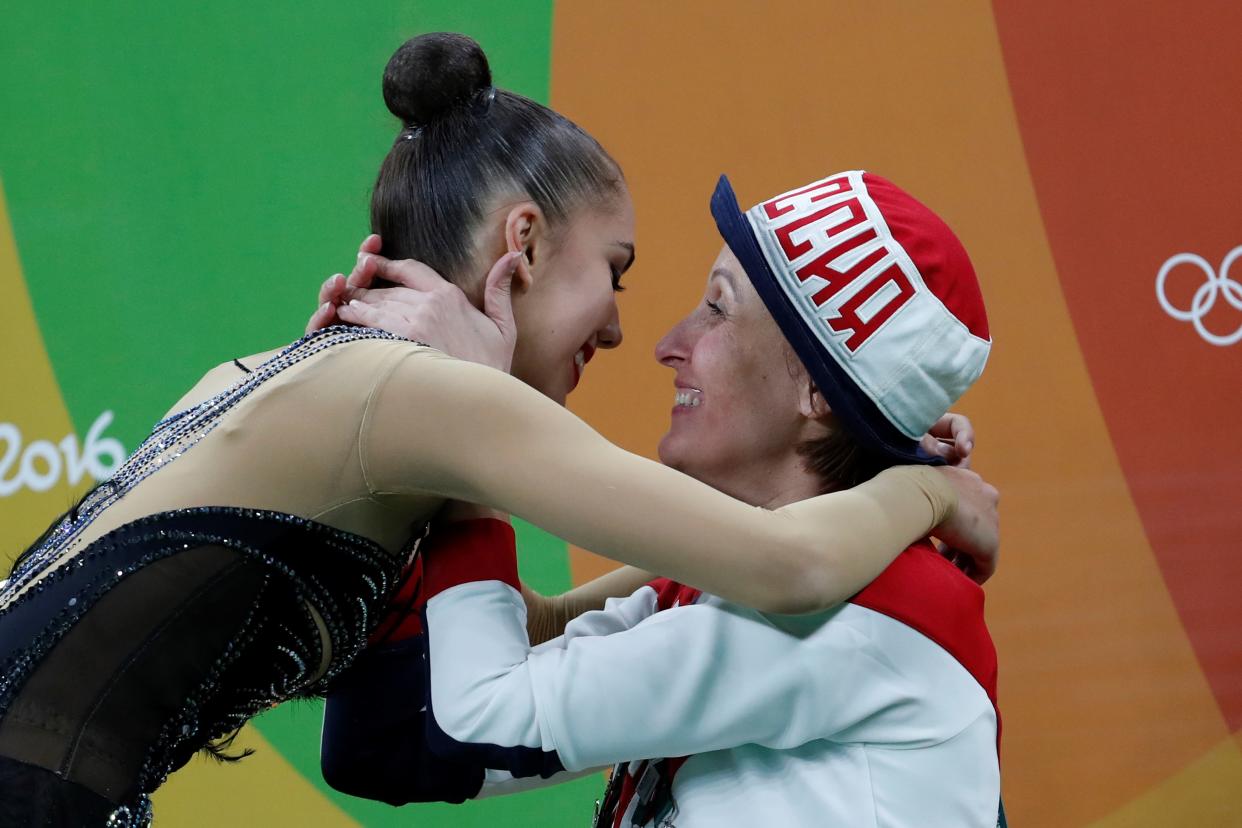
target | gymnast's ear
[{"x": 526, "y": 229}]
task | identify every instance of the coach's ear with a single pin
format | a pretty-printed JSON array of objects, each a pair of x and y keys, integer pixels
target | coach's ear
[{"x": 811, "y": 403}]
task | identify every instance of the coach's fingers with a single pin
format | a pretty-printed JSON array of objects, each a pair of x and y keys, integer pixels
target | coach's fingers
[
  {"x": 332, "y": 288},
  {"x": 386, "y": 315},
  {"x": 407, "y": 272},
  {"x": 498, "y": 295},
  {"x": 401, "y": 298},
  {"x": 323, "y": 316},
  {"x": 350, "y": 294},
  {"x": 360, "y": 313},
  {"x": 364, "y": 265},
  {"x": 363, "y": 273}
]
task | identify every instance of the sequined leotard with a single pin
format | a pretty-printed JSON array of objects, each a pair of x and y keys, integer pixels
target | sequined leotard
[
  {"x": 238, "y": 558},
  {"x": 175, "y": 627}
]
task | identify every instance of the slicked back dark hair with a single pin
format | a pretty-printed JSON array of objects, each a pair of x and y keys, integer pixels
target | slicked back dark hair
[{"x": 462, "y": 144}]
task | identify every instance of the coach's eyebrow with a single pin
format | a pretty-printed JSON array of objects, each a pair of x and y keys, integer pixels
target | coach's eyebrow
[{"x": 726, "y": 274}]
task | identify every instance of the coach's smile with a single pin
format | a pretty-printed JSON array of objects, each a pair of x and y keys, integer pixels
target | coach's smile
[{"x": 737, "y": 385}]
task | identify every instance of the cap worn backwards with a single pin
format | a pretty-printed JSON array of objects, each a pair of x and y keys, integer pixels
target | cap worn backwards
[{"x": 875, "y": 294}]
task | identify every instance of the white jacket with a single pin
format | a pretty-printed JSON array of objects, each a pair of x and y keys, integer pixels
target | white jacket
[{"x": 851, "y": 717}]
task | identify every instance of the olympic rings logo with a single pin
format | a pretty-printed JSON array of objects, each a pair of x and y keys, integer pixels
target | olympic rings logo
[{"x": 1218, "y": 283}]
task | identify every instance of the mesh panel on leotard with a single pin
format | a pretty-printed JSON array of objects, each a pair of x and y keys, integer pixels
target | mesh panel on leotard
[{"x": 175, "y": 630}]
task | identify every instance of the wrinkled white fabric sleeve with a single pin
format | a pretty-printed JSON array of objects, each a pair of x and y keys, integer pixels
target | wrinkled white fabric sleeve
[
  {"x": 686, "y": 680},
  {"x": 618, "y": 614}
]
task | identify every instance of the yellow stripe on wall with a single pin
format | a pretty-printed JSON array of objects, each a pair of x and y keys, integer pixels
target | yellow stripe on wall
[
  {"x": 1205, "y": 793},
  {"x": 262, "y": 789},
  {"x": 31, "y": 403}
]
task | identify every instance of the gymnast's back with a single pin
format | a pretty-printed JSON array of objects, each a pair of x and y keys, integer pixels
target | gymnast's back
[{"x": 235, "y": 560}]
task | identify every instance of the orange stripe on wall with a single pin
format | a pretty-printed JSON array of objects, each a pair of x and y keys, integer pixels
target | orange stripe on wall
[
  {"x": 780, "y": 94},
  {"x": 1130, "y": 118}
]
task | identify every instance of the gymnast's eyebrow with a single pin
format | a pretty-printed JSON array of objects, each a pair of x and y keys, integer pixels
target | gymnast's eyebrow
[{"x": 630, "y": 247}]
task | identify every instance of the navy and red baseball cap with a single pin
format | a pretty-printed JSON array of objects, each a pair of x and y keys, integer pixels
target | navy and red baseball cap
[{"x": 875, "y": 294}]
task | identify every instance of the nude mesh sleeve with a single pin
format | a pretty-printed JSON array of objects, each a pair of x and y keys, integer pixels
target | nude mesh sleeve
[{"x": 439, "y": 426}]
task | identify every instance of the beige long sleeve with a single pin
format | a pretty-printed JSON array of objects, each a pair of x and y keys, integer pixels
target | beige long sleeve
[
  {"x": 437, "y": 426},
  {"x": 547, "y": 615}
]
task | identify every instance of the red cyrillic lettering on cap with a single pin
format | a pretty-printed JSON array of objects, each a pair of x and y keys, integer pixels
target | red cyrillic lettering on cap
[
  {"x": 849, "y": 320},
  {"x": 792, "y": 251},
  {"x": 830, "y": 187},
  {"x": 821, "y": 267}
]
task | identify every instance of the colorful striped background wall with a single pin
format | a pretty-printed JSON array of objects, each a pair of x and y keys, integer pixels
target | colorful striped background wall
[{"x": 177, "y": 180}]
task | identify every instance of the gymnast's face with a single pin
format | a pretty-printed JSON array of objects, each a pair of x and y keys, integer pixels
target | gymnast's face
[
  {"x": 740, "y": 408},
  {"x": 564, "y": 300}
]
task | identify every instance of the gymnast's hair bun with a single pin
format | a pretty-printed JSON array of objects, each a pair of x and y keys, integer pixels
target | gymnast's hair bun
[{"x": 432, "y": 73}]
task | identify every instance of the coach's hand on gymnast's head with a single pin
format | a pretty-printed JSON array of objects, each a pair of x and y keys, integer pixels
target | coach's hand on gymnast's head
[{"x": 420, "y": 305}]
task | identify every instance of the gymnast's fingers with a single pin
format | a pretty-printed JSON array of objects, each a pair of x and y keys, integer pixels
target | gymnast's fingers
[
  {"x": 957, "y": 434},
  {"x": 937, "y": 448}
]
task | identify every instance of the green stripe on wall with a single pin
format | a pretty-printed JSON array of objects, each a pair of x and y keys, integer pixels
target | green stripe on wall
[{"x": 181, "y": 179}]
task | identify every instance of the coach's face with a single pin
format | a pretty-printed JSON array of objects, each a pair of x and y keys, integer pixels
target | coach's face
[{"x": 741, "y": 404}]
